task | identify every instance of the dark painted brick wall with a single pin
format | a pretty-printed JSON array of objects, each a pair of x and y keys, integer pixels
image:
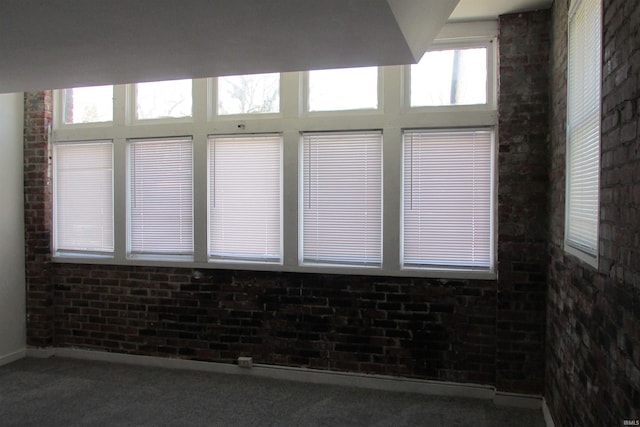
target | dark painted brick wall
[
  {"x": 489, "y": 332},
  {"x": 522, "y": 200},
  {"x": 410, "y": 327},
  {"x": 593, "y": 324}
]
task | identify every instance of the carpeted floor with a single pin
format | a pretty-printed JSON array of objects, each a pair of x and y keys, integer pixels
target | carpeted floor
[{"x": 68, "y": 392}]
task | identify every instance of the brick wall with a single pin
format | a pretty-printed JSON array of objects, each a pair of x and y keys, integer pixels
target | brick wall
[
  {"x": 522, "y": 200},
  {"x": 37, "y": 218},
  {"x": 593, "y": 325},
  {"x": 488, "y": 332}
]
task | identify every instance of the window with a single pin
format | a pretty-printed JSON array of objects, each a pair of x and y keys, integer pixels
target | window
[
  {"x": 343, "y": 89},
  {"x": 245, "y": 198},
  {"x": 447, "y": 199},
  {"x": 157, "y": 100},
  {"x": 249, "y": 94},
  {"x": 583, "y": 129},
  {"x": 87, "y": 105},
  {"x": 450, "y": 77},
  {"x": 83, "y": 197},
  {"x": 342, "y": 198},
  {"x": 160, "y": 197},
  {"x": 310, "y": 171}
]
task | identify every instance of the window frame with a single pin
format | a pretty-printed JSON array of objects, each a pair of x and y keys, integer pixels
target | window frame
[
  {"x": 130, "y": 254},
  {"x": 58, "y": 113},
  {"x": 489, "y": 43},
  {"x": 131, "y": 111},
  {"x": 492, "y": 208},
  {"x": 392, "y": 118},
  {"x": 54, "y": 201},
  {"x": 305, "y": 107},
  {"x": 301, "y": 201},
  {"x": 217, "y": 260},
  {"x": 588, "y": 255},
  {"x": 214, "y": 102}
]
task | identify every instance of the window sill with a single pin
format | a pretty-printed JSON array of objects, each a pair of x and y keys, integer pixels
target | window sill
[
  {"x": 459, "y": 274},
  {"x": 587, "y": 258}
]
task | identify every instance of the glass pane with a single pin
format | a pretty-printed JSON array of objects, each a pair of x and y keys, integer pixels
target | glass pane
[
  {"x": 450, "y": 77},
  {"x": 88, "y": 104},
  {"x": 343, "y": 89},
  {"x": 156, "y": 100},
  {"x": 250, "y": 94}
]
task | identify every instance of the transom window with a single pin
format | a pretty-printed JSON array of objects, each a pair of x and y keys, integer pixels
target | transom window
[
  {"x": 251, "y": 94},
  {"x": 450, "y": 77}
]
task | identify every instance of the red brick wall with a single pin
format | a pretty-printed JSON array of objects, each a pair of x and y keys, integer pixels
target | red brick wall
[
  {"x": 37, "y": 218},
  {"x": 593, "y": 324},
  {"x": 489, "y": 332}
]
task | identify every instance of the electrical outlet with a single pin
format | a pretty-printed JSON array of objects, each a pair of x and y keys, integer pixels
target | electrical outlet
[{"x": 245, "y": 362}]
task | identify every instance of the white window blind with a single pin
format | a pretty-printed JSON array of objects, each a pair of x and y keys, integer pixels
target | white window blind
[
  {"x": 342, "y": 198},
  {"x": 245, "y": 197},
  {"x": 447, "y": 199},
  {"x": 583, "y": 126},
  {"x": 83, "y": 197},
  {"x": 161, "y": 197}
]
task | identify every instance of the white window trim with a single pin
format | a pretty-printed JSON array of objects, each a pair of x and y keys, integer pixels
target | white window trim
[
  {"x": 392, "y": 117},
  {"x": 588, "y": 257}
]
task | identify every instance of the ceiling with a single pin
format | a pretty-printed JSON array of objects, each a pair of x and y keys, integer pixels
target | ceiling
[{"x": 69, "y": 43}]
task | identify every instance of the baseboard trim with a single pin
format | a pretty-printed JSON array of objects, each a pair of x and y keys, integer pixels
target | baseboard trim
[
  {"x": 370, "y": 381},
  {"x": 517, "y": 400},
  {"x": 548, "y": 419},
  {"x": 12, "y": 357}
]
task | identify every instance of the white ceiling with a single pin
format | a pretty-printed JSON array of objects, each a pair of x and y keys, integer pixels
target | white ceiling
[
  {"x": 471, "y": 10},
  {"x": 66, "y": 43}
]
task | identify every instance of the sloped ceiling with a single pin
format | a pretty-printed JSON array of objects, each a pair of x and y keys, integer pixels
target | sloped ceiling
[
  {"x": 68, "y": 43},
  {"x": 65, "y": 43}
]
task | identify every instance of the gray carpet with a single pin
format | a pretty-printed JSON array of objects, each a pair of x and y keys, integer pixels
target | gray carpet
[{"x": 66, "y": 392}]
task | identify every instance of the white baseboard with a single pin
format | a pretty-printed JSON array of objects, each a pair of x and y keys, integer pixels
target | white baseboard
[
  {"x": 548, "y": 419},
  {"x": 12, "y": 357},
  {"x": 370, "y": 381}
]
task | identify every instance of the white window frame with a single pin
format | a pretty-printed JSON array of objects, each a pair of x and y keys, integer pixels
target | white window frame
[
  {"x": 373, "y": 134},
  {"x": 492, "y": 209},
  {"x": 55, "y": 245},
  {"x": 489, "y": 43},
  {"x": 214, "y": 100},
  {"x": 348, "y": 112},
  {"x": 392, "y": 117},
  {"x": 589, "y": 255},
  {"x": 225, "y": 260}
]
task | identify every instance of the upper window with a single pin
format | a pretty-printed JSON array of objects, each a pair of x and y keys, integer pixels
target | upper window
[
  {"x": 342, "y": 198},
  {"x": 447, "y": 199},
  {"x": 87, "y": 105},
  {"x": 343, "y": 89},
  {"x": 450, "y": 77},
  {"x": 249, "y": 94},
  {"x": 83, "y": 198},
  {"x": 583, "y": 128},
  {"x": 160, "y": 199},
  {"x": 158, "y": 100},
  {"x": 245, "y": 198}
]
